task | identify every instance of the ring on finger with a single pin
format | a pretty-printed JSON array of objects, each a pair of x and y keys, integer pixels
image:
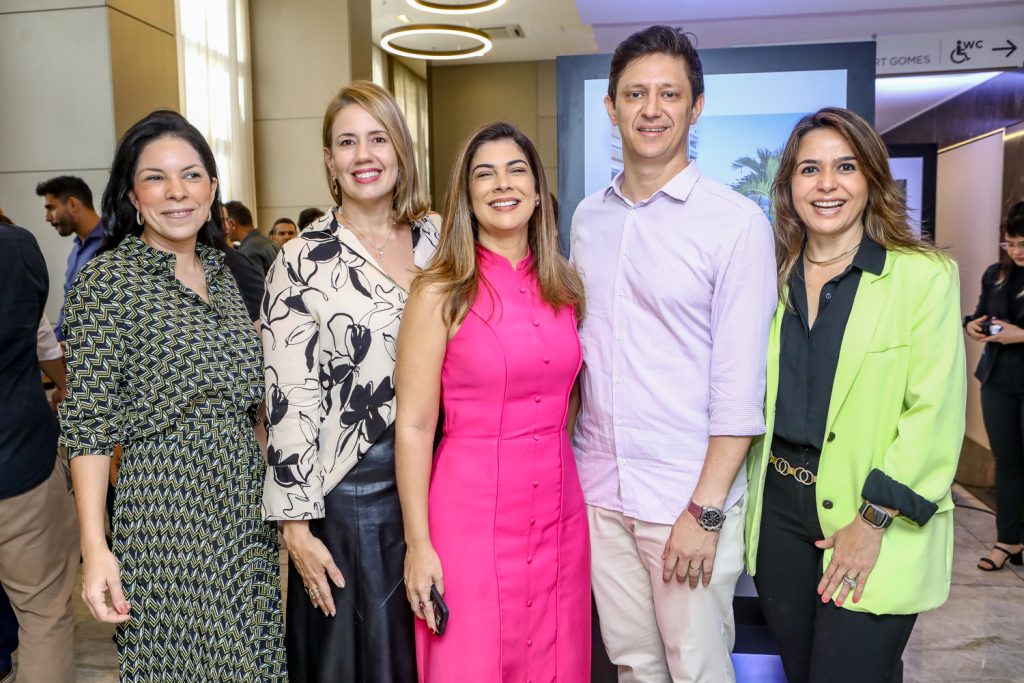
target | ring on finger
[
  {"x": 850, "y": 581},
  {"x": 422, "y": 604}
]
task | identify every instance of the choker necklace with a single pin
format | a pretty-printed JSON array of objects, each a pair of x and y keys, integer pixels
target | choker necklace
[
  {"x": 834, "y": 259},
  {"x": 366, "y": 240}
]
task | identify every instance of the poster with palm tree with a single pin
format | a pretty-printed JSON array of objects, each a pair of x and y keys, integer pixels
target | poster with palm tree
[{"x": 756, "y": 183}]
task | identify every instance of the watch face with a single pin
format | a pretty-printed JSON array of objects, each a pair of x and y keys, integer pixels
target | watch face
[{"x": 711, "y": 519}]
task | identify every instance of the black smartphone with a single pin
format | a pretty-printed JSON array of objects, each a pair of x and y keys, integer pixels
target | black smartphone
[{"x": 440, "y": 610}]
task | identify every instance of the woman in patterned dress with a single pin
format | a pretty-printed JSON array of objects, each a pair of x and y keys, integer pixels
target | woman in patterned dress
[
  {"x": 334, "y": 300},
  {"x": 495, "y": 520},
  {"x": 164, "y": 360}
]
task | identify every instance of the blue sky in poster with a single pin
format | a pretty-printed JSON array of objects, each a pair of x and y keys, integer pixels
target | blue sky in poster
[{"x": 723, "y": 139}]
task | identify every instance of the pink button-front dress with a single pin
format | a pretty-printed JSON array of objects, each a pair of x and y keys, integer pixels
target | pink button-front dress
[{"x": 507, "y": 516}]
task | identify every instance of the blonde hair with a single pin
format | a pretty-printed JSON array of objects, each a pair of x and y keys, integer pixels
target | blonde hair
[
  {"x": 885, "y": 214},
  {"x": 454, "y": 268},
  {"x": 409, "y": 198}
]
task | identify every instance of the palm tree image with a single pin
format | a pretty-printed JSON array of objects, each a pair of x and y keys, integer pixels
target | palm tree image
[{"x": 756, "y": 184}]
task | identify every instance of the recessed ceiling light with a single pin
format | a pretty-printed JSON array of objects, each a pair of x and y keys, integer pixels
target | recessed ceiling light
[{"x": 452, "y": 8}]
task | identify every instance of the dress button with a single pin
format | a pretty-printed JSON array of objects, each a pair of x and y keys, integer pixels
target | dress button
[
  {"x": 523, "y": 290},
  {"x": 532, "y": 521},
  {"x": 529, "y": 603},
  {"x": 831, "y": 437},
  {"x": 536, "y": 323},
  {"x": 828, "y": 296},
  {"x": 547, "y": 359},
  {"x": 536, "y": 399},
  {"x": 536, "y": 437},
  {"x": 529, "y": 560},
  {"x": 529, "y": 642},
  {"x": 827, "y": 504},
  {"x": 536, "y": 483}
]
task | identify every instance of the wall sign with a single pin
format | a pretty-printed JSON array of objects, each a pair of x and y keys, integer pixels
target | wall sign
[{"x": 967, "y": 50}]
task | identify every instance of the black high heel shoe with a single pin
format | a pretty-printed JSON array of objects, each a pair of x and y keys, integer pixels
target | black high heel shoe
[{"x": 986, "y": 564}]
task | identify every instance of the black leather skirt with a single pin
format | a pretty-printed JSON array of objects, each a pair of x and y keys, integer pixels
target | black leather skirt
[{"x": 371, "y": 638}]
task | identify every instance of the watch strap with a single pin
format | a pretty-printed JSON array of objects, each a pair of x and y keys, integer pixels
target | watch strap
[
  {"x": 874, "y": 515},
  {"x": 709, "y": 518}
]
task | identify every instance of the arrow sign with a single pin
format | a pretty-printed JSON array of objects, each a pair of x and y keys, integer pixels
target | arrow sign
[
  {"x": 965, "y": 50},
  {"x": 1010, "y": 48}
]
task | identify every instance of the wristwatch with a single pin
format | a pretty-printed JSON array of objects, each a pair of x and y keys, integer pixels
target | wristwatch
[
  {"x": 874, "y": 515},
  {"x": 710, "y": 518}
]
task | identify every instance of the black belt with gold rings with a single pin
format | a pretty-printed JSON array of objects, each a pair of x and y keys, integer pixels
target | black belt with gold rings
[{"x": 801, "y": 474}]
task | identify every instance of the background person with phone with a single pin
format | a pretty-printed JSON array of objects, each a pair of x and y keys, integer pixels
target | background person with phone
[{"x": 998, "y": 321}]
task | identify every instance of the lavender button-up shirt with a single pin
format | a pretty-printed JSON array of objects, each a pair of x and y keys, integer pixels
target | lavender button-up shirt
[{"x": 680, "y": 295}]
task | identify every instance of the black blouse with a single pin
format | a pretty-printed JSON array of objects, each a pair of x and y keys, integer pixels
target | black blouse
[
  {"x": 1002, "y": 302},
  {"x": 809, "y": 355}
]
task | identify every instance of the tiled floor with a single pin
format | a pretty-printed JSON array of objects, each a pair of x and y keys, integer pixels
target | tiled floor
[{"x": 976, "y": 637}]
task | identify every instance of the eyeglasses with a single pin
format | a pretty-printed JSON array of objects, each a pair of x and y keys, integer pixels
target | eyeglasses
[{"x": 1007, "y": 246}]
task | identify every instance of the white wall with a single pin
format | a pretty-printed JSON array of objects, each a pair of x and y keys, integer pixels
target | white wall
[
  {"x": 300, "y": 59},
  {"x": 57, "y": 114},
  {"x": 968, "y": 197}
]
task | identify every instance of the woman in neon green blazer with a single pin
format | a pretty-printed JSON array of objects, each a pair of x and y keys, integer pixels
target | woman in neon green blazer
[{"x": 850, "y": 520}]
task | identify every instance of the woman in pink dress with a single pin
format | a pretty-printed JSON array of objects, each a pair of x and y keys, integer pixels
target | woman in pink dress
[{"x": 495, "y": 520}]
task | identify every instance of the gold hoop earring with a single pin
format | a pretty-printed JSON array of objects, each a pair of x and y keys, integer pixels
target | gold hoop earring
[{"x": 138, "y": 218}]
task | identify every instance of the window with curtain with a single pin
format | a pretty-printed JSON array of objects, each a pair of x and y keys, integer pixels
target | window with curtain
[
  {"x": 215, "y": 84},
  {"x": 410, "y": 91}
]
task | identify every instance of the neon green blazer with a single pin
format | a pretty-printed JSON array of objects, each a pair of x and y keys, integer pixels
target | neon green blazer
[{"x": 898, "y": 403}]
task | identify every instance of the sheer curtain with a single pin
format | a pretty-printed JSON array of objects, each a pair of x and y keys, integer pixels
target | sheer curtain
[
  {"x": 410, "y": 91},
  {"x": 216, "y": 87}
]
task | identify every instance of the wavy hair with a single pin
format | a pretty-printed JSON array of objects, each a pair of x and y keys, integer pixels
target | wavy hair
[
  {"x": 409, "y": 201},
  {"x": 118, "y": 211},
  {"x": 885, "y": 214},
  {"x": 454, "y": 267}
]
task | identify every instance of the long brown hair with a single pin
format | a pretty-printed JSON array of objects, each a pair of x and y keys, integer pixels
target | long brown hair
[
  {"x": 885, "y": 214},
  {"x": 410, "y": 200},
  {"x": 1013, "y": 226},
  {"x": 454, "y": 268}
]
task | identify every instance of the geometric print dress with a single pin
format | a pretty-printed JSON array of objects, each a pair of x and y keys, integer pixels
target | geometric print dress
[{"x": 176, "y": 381}]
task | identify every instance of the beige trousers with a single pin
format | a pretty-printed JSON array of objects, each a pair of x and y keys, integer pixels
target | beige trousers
[
  {"x": 39, "y": 556},
  {"x": 657, "y": 632}
]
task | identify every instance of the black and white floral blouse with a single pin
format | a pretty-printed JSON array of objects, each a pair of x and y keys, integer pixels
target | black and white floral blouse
[{"x": 330, "y": 325}]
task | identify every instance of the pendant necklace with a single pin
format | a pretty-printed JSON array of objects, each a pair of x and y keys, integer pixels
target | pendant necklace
[{"x": 366, "y": 240}]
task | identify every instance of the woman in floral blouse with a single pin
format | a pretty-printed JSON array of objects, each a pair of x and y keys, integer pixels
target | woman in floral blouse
[{"x": 331, "y": 313}]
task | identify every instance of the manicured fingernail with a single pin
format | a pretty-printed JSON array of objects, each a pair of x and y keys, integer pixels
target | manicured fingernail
[
  {"x": 855, "y": 600},
  {"x": 839, "y": 603}
]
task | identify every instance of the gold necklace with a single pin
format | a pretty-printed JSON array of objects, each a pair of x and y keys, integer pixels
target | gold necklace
[
  {"x": 366, "y": 240},
  {"x": 834, "y": 259}
]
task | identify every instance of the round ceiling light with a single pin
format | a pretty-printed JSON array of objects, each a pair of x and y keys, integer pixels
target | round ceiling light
[
  {"x": 387, "y": 41},
  {"x": 450, "y": 8}
]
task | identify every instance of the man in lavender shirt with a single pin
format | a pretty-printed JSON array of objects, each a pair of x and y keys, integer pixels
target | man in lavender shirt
[{"x": 680, "y": 281}]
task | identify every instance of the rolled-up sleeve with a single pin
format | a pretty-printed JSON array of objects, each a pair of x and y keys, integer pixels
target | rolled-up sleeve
[
  {"x": 742, "y": 306},
  {"x": 294, "y": 487},
  {"x": 91, "y": 414}
]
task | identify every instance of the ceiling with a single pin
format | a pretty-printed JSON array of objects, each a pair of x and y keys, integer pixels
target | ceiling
[{"x": 564, "y": 27}]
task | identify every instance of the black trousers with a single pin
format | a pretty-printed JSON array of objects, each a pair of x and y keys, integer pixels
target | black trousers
[
  {"x": 1002, "y": 406},
  {"x": 370, "y": 640},
  {"x": 818, "y": 643}
]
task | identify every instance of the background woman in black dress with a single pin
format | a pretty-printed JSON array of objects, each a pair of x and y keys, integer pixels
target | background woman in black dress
[{"x": 1001, "y": 372}]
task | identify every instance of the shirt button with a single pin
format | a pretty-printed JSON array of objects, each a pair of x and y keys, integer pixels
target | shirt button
[
  {"x": 622, "y": 292},
  {"x": 536, "y": 399},
  {"x": 536, "y": 483},
  {"x": 547, "y": 359},
  {"x": 532, "y": 521},
  {"x": 632, "y": 211},
  {"x": 831, "y": 437},
  {"x": 828, "y": 295},
  {"x": 529, "y": 560},
  {"x": 618, "y": 380},
  {"x": 536, "y": 323},
  {"x": 619, "y": 337},
  {"x": 523, "y": 290},
  {"x": 827, "y": 504},
  {"x": 625, "y": 252},
  {"x": 529, "y": 642},
  {"x": 529, "y": 603},
  {"x": 618, "y": 422}
]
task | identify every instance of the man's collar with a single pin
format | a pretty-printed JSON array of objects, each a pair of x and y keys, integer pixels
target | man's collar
[
  {"x": 95, "y": 234},
  {"x": 678, "y": 186}
]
